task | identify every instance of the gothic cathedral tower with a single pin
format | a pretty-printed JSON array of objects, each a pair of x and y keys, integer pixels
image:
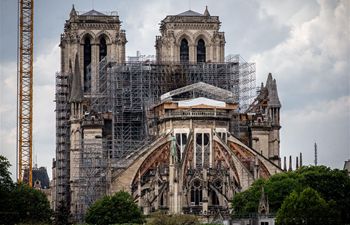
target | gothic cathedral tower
[
  {"x": 190, "y": 37},
  {"x": 88, "y": 39},
  {"x": 93, "y": 36}
]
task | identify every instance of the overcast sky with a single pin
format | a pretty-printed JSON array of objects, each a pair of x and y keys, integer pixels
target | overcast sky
[{"x": 304, "y": 44}]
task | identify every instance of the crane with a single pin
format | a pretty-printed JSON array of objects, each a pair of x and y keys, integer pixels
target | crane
[{"x": 25, "y": 91}]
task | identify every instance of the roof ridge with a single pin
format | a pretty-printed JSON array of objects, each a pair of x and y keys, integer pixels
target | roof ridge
[{"x": 190, "y": 13}]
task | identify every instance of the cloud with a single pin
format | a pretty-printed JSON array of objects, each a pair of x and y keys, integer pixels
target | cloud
[
  {"x": 45, "y": 66},
  {"x": 311, "y": 67},
  {"x": 324, "y": 122},
  {"x": 314, "y": 59}
]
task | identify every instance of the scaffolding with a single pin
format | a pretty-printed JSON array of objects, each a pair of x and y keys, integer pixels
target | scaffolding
[
  {"x": 124, "y": 93},
  {"x": 62, "y": 140},
  {"x": 128, "y": 90},
  {"x": 89, "y": 179}
]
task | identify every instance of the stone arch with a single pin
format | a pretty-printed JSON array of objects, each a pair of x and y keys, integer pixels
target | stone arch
[
  {"x": 87, "y": 34},
  {"x": 156, "y": 156},
  {"x": 202, "y": 34},
  {"x": 181, "y": 35},
  {"x": 104, "y": 34},
  {"x": 86, "y": 50}
]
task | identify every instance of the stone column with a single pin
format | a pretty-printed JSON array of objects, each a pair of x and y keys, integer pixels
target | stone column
[
  {"x": 94, "y": 66},
  {"x": 192, "y": 58},
  {"x": 205, "y": 192}
]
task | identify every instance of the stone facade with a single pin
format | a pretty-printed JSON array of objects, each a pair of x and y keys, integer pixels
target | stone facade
[
  {"x": 196, "y": 166},
  {"x": 99, "y": 32},
  {"x": 195, "y": 163},
  {"x": 192, "y": 27}
]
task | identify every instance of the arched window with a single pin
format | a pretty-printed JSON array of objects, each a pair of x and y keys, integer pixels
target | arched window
[
  {"x": 103, "y": 48},
  {"x": 200, "y": 51},
  {"x": 196, "y": 193},
  {"x": 87, "y": 62},
  {"x": 184, "y": 51}
]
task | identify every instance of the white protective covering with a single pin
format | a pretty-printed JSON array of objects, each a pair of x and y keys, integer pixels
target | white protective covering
[{"x": 201, "y": 101}]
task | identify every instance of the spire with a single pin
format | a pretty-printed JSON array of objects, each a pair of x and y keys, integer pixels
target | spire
[
  {"x": 263, "y": 203},
  {"x": 271, "y": 86},
  {"x": 206, "y": 12},
  {"x": 290, "y": 163},
  {"x": 76, "y": 92},
  {"x": 297, "y": 163},
  {"x": 73, "y": 12},
  {"x": 269, "y": 81}
]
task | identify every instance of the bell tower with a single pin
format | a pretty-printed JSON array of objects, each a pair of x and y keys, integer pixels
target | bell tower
[
  {"x": 94, "y": 36},
  {"x": 190, "y": 37}
]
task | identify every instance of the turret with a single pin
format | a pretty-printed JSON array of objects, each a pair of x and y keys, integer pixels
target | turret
[
  {"x": 273, "y": 109},
  {"x": 73, "y": 13},
  {"x": 206, "y": 12}
]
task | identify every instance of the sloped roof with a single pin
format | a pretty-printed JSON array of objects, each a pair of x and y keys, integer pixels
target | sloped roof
[
  {"x": 190, "y": 13},
  {"x": 93, "y": 13},
  {"x": 219, "y": 93},
  {"x": 41, "y": 175},
  {"x": 201, "y": 101}
]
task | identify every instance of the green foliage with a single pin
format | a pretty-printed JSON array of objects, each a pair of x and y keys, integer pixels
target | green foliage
[
  {"x": 117, "y": 209},
  {"x": 163, "y": 219},
  {"x": 307, "y": 207},
  {"x": 31, "y": 205},
  {"x": 5, "y": 175},
  {"x": 20, "y": 203},
  {"x": 247, "y": 202},
  {"x": 6, "y": 186},
  {"x": 332, "y": 185}
]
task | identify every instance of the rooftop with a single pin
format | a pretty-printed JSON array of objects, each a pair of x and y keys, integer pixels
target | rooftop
[
  {"x": 93, "y": 13},
  {"x": 190, "y": 13}
]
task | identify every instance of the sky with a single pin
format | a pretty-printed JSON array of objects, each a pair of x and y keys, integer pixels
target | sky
[{"x": 304, "y": 44}]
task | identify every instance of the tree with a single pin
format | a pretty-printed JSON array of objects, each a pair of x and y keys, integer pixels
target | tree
[
  {"x": 5, "y": 175},
  {"x": 6, "y": 186},
  {"x": 332, "y": 185},
  {"x": 31, "y": 205},
  {"x": 277, "y": 188},
  {"x": 307, "y": 207},
  {"x": 119, "y": 208},
  {"x": 20, "y": 203}
]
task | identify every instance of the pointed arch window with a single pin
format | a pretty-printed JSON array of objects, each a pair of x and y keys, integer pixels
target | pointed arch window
[
  {"x": 103, "y": 48},
  {"x": 87, "y": 62},
  {"x": 196, "y": 193},
  {"x": 184, "y": 51},
  {"x": 201, "y": 51}
]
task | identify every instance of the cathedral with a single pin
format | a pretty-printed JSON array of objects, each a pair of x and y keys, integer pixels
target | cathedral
[{"x": 182, "y": 133}]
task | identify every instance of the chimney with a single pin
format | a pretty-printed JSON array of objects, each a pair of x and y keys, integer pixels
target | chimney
[
  {"x": 285, "y": 164},
  {"x": 301, "y": 159}
]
